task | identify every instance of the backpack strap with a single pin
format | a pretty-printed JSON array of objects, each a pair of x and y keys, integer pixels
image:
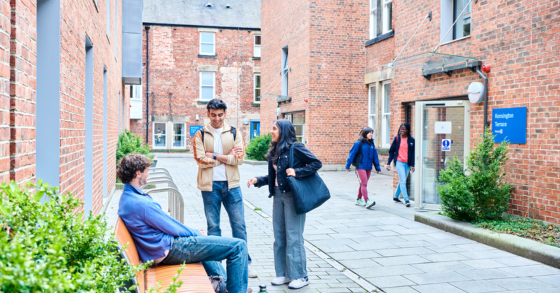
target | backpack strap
[{"x": 233, "y": 130}]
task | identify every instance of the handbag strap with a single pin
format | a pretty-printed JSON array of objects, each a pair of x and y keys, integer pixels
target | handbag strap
[{"x": 292, "y": 155}]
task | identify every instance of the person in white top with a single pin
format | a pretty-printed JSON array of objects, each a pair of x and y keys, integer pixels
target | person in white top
[{"x": 218, "y": 150}]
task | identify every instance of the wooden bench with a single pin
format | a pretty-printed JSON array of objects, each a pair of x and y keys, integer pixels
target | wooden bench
[{"x": 193, "y": 276}]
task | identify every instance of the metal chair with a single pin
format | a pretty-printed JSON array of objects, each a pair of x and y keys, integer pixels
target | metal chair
[{"x": 176, "y": 203}]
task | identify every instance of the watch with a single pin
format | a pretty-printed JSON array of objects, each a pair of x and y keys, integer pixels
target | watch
[{"x": 215, "y": 155}]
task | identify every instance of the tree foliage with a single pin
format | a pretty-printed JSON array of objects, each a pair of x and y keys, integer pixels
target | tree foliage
[{"x": 258, "y": 147}]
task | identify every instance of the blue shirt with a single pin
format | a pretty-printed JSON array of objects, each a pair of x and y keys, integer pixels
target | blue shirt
[
  {"x": 369, "y": 156},
  {"x": 153, "y": 230}
]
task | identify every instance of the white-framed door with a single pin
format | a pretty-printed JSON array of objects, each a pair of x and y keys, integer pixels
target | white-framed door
[{"x": 442, "y": 132}]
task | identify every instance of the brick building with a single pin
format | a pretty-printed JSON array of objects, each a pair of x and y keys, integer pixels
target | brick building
[
  {"x": 63, "y": 96},
  {"x": 338, "y": 77},
  {"x": 194, "y": 52}
]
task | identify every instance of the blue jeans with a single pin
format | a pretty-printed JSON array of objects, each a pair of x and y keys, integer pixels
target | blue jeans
[
  {"x": 211, "y": 250},
  {"x": 402, "y": 170},
  {"x": 289, "y": 250},
  {"x": 233, "y": 203}
]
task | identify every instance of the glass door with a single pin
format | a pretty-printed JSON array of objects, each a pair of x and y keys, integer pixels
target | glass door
[{"x": 442, "y": 131}]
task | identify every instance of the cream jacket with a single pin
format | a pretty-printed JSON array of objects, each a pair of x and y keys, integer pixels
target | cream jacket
[{"x": 206, "y": 164}]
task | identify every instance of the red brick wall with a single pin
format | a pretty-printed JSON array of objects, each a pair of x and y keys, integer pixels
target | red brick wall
[
  {"x": 328, "y": 61},
  {"x": 520, "y": 41},
  {"x": 18, "y": 61},
  {"x": 173, "y": 70}
]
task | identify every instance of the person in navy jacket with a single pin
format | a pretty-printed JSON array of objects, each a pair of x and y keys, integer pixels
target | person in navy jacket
[
  {"x": 402, "y": 151},
  {"x": 365, "y": 154}
]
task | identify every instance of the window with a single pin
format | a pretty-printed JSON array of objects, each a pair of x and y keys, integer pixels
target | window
[
  {"x": 372, "y": 107},
  {"x": 298, "y": 120},
  {"x": 387, "y": 15},
  {"x": 257, "y": 88},
  {"x": 386, "y": 115},
  {"x": 207, "y": 44},
  {"x": 159, "y": 136},
  {"x": 257, "y": 48},
  {"x": 462, "y": 27},
  {"x": 372, "y": 19},
  {"x": 285, "y": 70},
  {"x": 179, "y": 135},
  {"x": 207, "y": 89}
]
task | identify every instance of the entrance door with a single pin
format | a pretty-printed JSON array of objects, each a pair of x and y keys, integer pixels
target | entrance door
[
  {"x": 255, "y": 129},
  {"x": 442, "y": 132}
]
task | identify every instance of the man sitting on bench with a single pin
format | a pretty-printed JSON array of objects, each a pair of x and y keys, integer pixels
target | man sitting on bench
[{"x": 166, "y": 241}]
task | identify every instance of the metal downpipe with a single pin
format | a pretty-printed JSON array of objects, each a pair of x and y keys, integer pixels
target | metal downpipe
[
  {"x": 485, "y": 95},
  {"x": 147, "y": 84}
]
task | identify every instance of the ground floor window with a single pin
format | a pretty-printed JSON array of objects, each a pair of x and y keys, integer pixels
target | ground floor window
[
  {"x": 159, "y": 140},
  {"x": 298, "y": 120},
  {"x": 372, "y": 114},
  {"x": 179, "y": 135},
  {"x": 386, "y": 115}
]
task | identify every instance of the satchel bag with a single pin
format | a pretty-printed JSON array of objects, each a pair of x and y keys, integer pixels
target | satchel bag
[{"x": 309, "y": 192}]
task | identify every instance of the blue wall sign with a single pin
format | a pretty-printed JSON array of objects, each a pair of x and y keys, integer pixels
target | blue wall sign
[
  {"x": 445, "y": 145},
  {"x": 194, "y": 128},
  {"x": 510, "y": 124}
]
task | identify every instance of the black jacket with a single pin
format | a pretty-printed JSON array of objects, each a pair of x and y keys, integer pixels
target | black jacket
[
  {"x": 394, "y": 150},
  {"x": 305, "y": 164}
]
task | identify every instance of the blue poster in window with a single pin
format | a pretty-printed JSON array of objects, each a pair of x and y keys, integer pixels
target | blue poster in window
[
  {"x": 194, "y": 128},
  {"x": 510, "y": 124}
]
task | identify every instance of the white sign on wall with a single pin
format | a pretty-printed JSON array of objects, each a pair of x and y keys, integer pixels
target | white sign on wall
[{"x": 443, "y": 127}]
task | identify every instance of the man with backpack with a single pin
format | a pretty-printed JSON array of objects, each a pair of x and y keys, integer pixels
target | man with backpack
[{"x": 218, "y": 151}]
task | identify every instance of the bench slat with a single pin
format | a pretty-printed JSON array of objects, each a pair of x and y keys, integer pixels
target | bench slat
[
  {"x": 124, "y": 238},
  {"x": 193, "y": 276}
]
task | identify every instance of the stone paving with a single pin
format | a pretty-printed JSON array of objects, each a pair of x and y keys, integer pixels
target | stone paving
[{"x": 352, "y": 249}]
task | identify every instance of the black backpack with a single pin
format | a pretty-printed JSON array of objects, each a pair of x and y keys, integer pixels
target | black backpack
[
  {"x": 233, "y": 130},
  {"x": 358, "y": 156}
]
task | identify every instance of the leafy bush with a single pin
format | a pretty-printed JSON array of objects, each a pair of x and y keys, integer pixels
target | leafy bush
[
  {"x": 258, "y": 147},
  {"x": 129, "y": 144},
  {"x": 47, "y": 247},
  {"x": 481, "y": 190}
]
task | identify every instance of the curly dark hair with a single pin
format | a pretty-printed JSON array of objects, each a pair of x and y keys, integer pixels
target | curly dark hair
[
  {"x": 216, "y": 104},
  {"x": 129, "y": 164}
]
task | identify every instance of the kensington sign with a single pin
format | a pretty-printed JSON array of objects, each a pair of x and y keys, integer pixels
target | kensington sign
[{"x": 510, "y": 124}]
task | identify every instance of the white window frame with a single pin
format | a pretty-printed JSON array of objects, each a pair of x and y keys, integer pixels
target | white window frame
[
  {"x": 466, "y": 15},
  {"x": 385, "y": 137},
  {"x": 372, "y": 114},
  {"x": 183, "y": 135},
  {"x": 386, "y": 19},
  {"x": 255, "y": 46},
  {"x": 213, "y": 43},
  {"x": 201, "y": 85},
  {"x": 372, "y": 19},
  {"x": 255, "y": 88},
  {"x": 154, "y": 136}
]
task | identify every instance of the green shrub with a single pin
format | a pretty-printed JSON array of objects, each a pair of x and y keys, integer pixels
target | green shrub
[
  {"x": 258, "y": 147},
  {"x": 47, "y": 247},
  {"x": 480, "y": 191},
  {"x": 129, "y": 144}
]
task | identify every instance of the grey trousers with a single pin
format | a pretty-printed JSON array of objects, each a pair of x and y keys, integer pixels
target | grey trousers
[{"x": 289, "y": 251}]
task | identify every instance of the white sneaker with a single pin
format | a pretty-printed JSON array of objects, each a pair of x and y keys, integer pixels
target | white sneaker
[
  {"x": 278, "y": 281},
  {"x": 252, "y": 272},
  {"x": 298, "y": 283}
]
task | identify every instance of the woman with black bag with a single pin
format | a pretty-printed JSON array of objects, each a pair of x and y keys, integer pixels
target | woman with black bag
[{"x": 289, "y": 250}]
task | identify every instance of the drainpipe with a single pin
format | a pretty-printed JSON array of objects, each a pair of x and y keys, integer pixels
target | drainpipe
[
  {"x": 485, "y": 95},
  {"x": 147, "y": 83}
]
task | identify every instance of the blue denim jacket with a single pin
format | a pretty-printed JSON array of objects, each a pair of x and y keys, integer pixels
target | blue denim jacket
[
  {"x": 369, "y": 156},
  {"x": 152, "y": 230},
  {"x": 305, "y": 164}
]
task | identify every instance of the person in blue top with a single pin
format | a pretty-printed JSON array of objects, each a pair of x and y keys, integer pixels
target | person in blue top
[
  {"x": 363, "y": 156},
  {"x": 164, "y": 240}
]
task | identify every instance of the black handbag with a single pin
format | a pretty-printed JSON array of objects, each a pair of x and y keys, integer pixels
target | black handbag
[{"x": 309, "y": 192}]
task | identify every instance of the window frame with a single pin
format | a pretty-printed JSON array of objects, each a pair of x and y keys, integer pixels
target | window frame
[
  {"x": 387, "y": 20},
  {"x": 285, "y": 90},
  {"x": 154, "y": 136},
  {"x": 372, "y": 115},
  {"x": 255, "y": 88},
  {"x": 466, "y": 15},
  {"x": 200, "y": 85},
  {"x": 201, "y": 42},
  {"x": 385, "y": 137},
  {"x": 257, "y": 46},
  {"x": 184, "y": 135},
  {"x": 372, "y": 19}
]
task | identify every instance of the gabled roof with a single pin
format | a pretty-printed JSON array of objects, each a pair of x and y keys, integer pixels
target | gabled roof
[{"x": 209, "y": 13}]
